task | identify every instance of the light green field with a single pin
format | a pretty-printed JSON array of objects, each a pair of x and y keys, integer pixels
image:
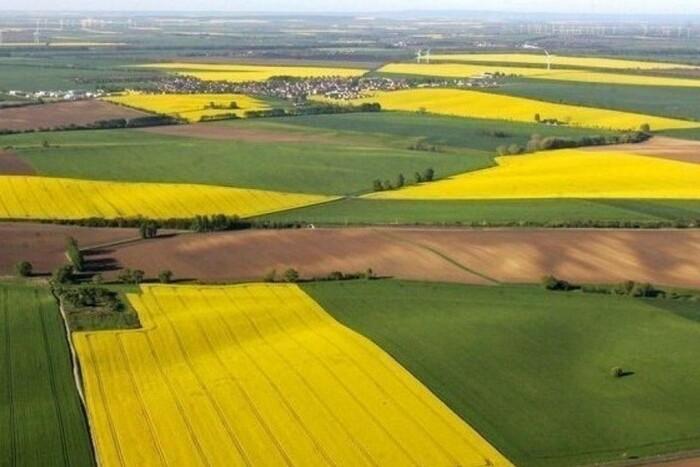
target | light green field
[
  {"x": 41, "y": 419},
  {"x": 530, "y": 369}
]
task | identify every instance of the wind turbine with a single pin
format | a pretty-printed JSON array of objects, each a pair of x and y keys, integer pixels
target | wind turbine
[
  {"x": 419, "y": 56},
  {"x": 427, "y": 56},
  {"x": 547, "y": 54}
]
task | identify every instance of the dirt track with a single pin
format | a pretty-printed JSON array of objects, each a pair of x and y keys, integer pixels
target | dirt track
[
  {"x": 12, "y": 164},
  {"x": 62, "y": 114},
  {"x": 660, "y": 146},
  {"x": 231, "y": 132},
  {"x": 472, "y": 256}
]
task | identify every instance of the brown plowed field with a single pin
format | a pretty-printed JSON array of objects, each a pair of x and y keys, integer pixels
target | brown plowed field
[
  {"x": 234, "y": 133},
  {"x": 44, "y": 245},
  {"x": 660, "y": 146},
  {"x": 62, "y": 114},
  {"x": 12, "y": 164},
  {"x": 473, "y": 256}
]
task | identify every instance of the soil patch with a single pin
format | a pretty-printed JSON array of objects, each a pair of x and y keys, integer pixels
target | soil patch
[
  {"x": 660, "y": 146},
  {"x": 12, "y": 164},
  {"x": 58, "y": 114}
]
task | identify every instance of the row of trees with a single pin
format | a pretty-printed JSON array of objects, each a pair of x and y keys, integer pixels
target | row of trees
[
  {"x": 627, "y": 288},
  {"x": 317, "y": 109},
  {"x": 428, "y": 175},
  {"x": 548, "y": 143}
]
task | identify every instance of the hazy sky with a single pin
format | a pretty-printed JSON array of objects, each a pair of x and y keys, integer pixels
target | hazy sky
[{"x": 559, "y": 6}]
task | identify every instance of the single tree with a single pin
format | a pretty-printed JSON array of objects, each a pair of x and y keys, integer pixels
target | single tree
[
  {"x": 291, "y": 275},
  {"x": 400, "y": 181},
  {"x": 429, "y": 174},
  {"x": 24, "y": 269},
  {"x": 165, "y": 277}
]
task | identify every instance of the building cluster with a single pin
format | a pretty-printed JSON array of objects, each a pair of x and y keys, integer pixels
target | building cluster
[
  {"x": 69, "y": 95},
  {"x": 299, "y": 89}
]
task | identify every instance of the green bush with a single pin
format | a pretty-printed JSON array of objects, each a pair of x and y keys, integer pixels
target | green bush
[
  {"x": 291, "y": 275},
  {"x": 24, "y": 269},
  {"x": 165, "y": 277}
]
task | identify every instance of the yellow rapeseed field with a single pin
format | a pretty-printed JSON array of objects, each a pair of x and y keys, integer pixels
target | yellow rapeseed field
[
  {"x": 259, "y": 375},
  {"x": 31, "y": 197},
  {"x": 242, "y": 73},
  {"x": 465, "y": 70},
  {"x": 475, "y": 104},
  {"x": 191, "y": 107},
  {"x": 566, "y": 174},
  {"x": 559, "y": 60}
]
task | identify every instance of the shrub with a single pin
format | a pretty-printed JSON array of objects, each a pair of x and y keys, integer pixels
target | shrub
[
  {"x": 24, "y": 269},
  {"x": 291, "y": 275},
  {"x": 271, "y": 276},
  {"x": 148, "y": 229},
  {"x": 131, "y": 276},
  {"x": 63, "y": 275},
  {"x": 165, "y": 277},
  {"x": 429, "y": 174},
  {"x": 97, "y": 279},
  {"x": 617, "y": 372},
  {"x": 552, "y": 283},
  {"x": 377, "y": 185}
]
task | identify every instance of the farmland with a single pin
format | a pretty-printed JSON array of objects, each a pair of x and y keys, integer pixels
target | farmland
[
  {"x": 191, "y": 107},
  {"x": 475, "y": 104},
  {"x": 29, "y": 197},
  {"x": 271, "y": 388},
  {"x": 491, "y": 256},
  {"x": 508, "y": 212},
  {"x": 42, "y": 420},
  {"x": 559, "y": 60},
  {"x": 243, "y": 73},
  {"x": 567, "y": 174},
  {"x": 455, "y": 70},
  {"x": 62, "y": 114},
  {"x": 542, "y": 361},
  {"x": 241, "y": 154}
]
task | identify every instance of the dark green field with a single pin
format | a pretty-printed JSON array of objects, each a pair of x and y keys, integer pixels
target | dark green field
[
  {"x": 41, "y": 419},
  {"x": 676, "y": 102},
  {"x": 531, "y": 370},
  {"x": 497, "y": 212}
]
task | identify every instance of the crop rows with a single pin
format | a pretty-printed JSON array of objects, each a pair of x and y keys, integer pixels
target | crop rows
[
  {"x": 259, "y": 375},
  {"x": 41, "y": 421},
  {"x": 465, "y": 70},
  {"x": 474, "y": 104},
  {"x": 566, "y": 174},
  {"x": 61, "y": 198}
]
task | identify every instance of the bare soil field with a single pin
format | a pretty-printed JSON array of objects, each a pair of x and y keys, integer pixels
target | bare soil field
[
  {"x": 12, "y": 164},
  {"x": 660, "y": 146},
  {"x": 472, "y": 256},
  {"x": 62, "y": 114},
  {"x": 233, "y": 133},
  {"x": 44, "y": 245}
]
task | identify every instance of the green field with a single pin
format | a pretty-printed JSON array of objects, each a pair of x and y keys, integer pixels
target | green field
[
  {"x": 41, "y": 418},
  {"x": 341, "y": 164},
  {"x": 485, "y": 135},
  {"x": 677, "y": 102},
  {"x": 531, "y": 369},
  {"x": 498, "y": 212}
]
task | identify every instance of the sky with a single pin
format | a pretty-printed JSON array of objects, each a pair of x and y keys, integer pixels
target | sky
[{"x": 306, "y": 6}]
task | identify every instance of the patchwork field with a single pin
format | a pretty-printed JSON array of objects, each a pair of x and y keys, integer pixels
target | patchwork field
[
  {"x": 59, "y": 198},
  {"x": 191, "y": 107},
  {"x": 61, "y": 114},
  {"x": 504, "y": 212},
  {"x": 533, "y": 375},
  {"x": 475, "y": 104},
  {"x": 243, "y": 73},
  {"x": 559, "y": 60},
  {"x": 566, "y": 174},
  {"x": 42, "y": 421},
  {"x": 44, "y": 245},
  {"x": 459, "y": 70},
  {"x": 295, "y": 159},
  {"x": 664, "y": 257},
  {"x": 668, "y": 148},
  {"x": 259, "y": 375}
]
